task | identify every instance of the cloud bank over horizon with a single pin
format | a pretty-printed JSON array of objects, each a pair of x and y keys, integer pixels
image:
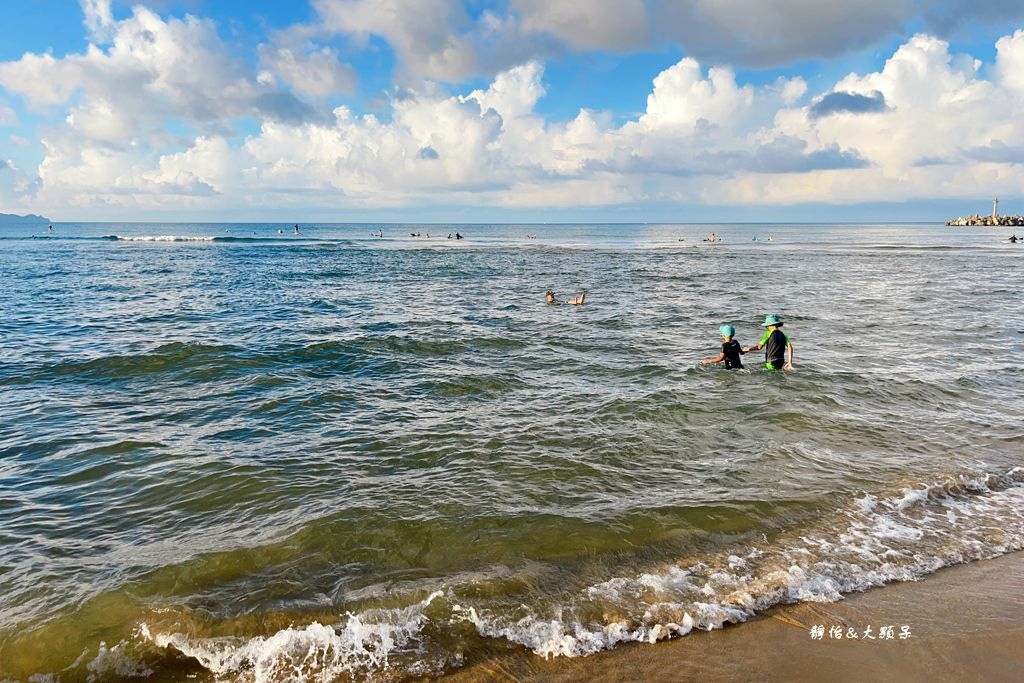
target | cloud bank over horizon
[{"x": 163, "y": 114}]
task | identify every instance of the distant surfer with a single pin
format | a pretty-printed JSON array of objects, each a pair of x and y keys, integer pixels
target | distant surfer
[
  {"x": 731, "y": 350},
  {"x": 1013, "y": 238},
  {"x": 50, "y": 231},
  {"x": 458, "y": 235},
  {"x": 296, "y": 228},
  {"x": 280, "y": 231}
]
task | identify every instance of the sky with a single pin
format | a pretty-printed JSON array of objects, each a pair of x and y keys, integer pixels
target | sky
[{"x": 511, "y": 110}]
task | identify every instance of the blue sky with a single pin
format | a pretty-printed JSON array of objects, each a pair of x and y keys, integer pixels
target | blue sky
[{"x": 527, "y": 110}]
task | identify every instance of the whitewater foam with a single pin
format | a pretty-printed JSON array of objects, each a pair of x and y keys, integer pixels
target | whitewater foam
[{"x": 876, "y": 540}]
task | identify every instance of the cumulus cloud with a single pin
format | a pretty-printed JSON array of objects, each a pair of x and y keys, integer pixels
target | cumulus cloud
[
  {"x": 927, "y": 122},
  {"x": 429, "y": 36},
  {"x": 98, "y": 18},
  {"x": 439, "y": 39},
  {"x": 309, "y": 69},
  {"x": 152, "y": 69}
]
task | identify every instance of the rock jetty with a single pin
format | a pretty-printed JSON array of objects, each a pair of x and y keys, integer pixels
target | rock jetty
[{"x": 992, "y": 220}]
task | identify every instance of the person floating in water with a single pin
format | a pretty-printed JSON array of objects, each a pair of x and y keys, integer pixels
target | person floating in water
[
  {"x": 731, "y": 350},
  {"x": 549, "y": 296},
  {"x": 711, "y": 238},
  {"x": 578, "y": 300},
  {"x": 458, "y": 236},
  {"x": 1013, "y": 238},
  {"x": 296, "y": 228},
  {"x": 778, "y": 350},
  {"x": 50, "y": 230},
  {"x": 449, "y": 235}
]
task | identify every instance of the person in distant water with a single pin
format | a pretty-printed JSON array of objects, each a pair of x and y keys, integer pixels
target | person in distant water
[
  {"x": 449, "y": 235},
  {"x": 771, "y": 238},
  {"x": 578, "y": 300},
  {"x": 731, "y": 350},
  {"x": 711, "y": 238},
  {"x": 549, "y": 296},
  {"x": 458, "y": 235},
  {"x": 50, "y": 230},
  {"x": 754, "y": 238},
  {"x": 778, "y": 350},
  {"x": 1013, "y": 238},
  {"x": 280, "y": 231}
]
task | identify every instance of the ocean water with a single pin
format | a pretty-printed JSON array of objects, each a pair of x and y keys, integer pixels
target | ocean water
[{"x": 232, "y": 454}]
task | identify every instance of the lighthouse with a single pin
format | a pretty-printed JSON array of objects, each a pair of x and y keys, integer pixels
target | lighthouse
[{"x": 995, "y": 209}]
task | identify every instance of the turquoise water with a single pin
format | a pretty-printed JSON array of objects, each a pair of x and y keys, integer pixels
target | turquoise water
[{"x": 235, "y": 454}]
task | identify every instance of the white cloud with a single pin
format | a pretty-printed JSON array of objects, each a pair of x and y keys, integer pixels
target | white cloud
[
  {"x": 927, "y": 123},
  {"x": 310, "y": 70},
  {"x": 99, "y": 20},
  {"x": 1010, "y": 61},
  {"x": 152, "y": 69},
  {"x": 428, "y": 35}
]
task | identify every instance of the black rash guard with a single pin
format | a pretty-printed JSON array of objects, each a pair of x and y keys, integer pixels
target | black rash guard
[{"x": 732, "y": 352}]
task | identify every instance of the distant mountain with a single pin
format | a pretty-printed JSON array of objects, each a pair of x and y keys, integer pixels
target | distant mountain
[{"x": 8, "y": 218}]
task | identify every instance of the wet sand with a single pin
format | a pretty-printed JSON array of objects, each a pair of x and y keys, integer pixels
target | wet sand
[{"x": 966, "y": 623}]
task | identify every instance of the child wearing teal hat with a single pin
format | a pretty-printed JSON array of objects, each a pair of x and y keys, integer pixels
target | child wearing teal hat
[
  {"x": 778, "y": 350},
  {"x": 731, "y": 350}
]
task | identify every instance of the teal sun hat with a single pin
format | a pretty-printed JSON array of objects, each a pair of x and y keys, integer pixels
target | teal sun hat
[
  {"x": 770, "y": 320},
  {"x": 727, "y": 330}
]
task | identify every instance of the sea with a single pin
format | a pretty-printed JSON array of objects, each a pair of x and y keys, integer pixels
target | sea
[{"x": 230, "y": 452}]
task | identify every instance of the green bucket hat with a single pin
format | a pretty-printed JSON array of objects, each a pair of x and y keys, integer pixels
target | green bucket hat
[{"x": 770, "y": 320}]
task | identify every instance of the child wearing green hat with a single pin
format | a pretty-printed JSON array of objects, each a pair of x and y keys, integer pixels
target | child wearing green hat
[
  {"x": 778, "y": 350},
  {"x": 731, "y": 350}
]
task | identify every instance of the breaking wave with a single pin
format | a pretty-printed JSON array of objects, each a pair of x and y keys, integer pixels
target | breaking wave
[{"x": 875, "y": 541}]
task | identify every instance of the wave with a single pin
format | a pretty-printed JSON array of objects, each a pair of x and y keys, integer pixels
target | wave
[{"x": 873, "y": 541}]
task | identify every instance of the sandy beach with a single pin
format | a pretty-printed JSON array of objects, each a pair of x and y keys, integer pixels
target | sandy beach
[{"x": 966, "y": 623}]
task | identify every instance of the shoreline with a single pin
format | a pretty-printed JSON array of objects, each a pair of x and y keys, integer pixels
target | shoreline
[{"x": 966, "y": 622}]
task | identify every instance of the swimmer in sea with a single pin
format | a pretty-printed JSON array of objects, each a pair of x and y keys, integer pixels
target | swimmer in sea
[
  {"x": 296, "y": 228},
  {"x": 50, "y": 230},
  {"x": 578, "y": 300}
]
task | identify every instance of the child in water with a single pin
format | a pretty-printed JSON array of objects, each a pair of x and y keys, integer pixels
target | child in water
[
  {"x": 731, "y": 350},
  {"x": 778, "y": 350}
]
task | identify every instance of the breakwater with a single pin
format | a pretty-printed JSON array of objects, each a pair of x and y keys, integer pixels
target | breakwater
[{"x": 986, "y": 221}]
